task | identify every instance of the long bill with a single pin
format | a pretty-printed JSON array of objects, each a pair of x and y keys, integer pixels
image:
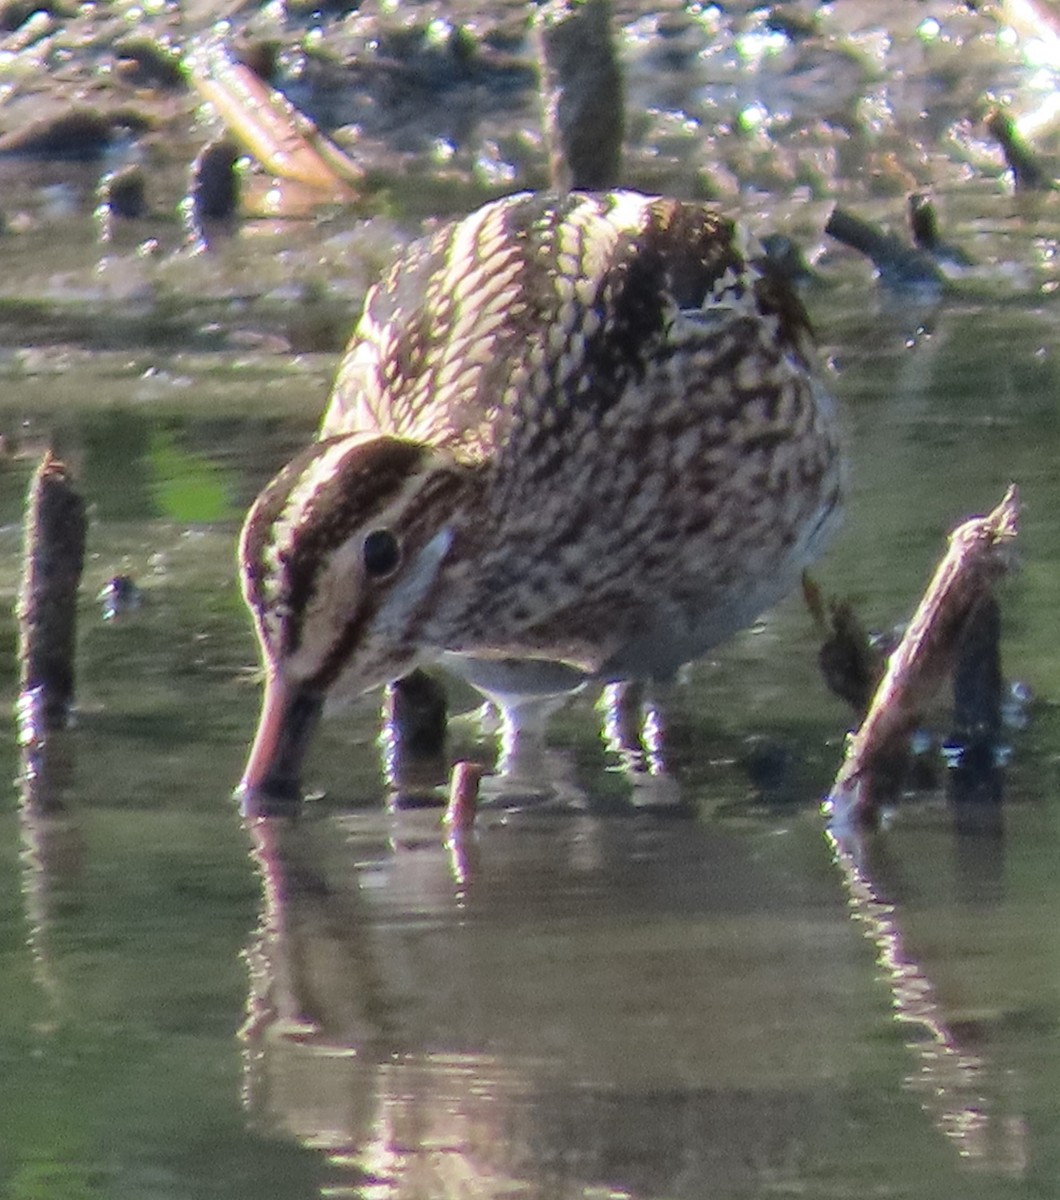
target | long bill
[{"x": 289, "y": 717}]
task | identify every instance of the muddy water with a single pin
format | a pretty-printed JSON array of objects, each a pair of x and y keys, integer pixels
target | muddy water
[{"x": 602, "y": 998}]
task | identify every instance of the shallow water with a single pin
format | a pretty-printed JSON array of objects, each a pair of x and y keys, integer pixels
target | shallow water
[
  {"x": 604, "y": 997},
  {"x": 592, "y": 1000}
]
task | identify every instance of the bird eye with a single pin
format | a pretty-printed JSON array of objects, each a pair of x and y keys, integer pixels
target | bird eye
[{"x": 381, "y": 552}]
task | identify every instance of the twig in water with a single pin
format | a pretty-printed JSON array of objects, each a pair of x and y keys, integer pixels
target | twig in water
[
  {"x": 1028, "y": 173},
  {"x": 897, "y": 264},
  {"x": 851, "y": 662},
  {"x": 977, "y": 555},
  {"x": 463, "y": 795}
]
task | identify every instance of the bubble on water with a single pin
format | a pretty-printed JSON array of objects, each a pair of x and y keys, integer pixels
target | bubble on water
[
  {"x": 952, "y": 754},
  {"x": 920, "y": 741}
]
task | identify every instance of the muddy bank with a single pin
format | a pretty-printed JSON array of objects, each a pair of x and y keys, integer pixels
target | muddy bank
[{"x": 778, "y": 112}]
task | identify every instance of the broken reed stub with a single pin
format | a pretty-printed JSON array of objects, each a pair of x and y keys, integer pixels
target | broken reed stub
[
  {"x": 53, "y": 557},
  {"x": 463, "y": 795},
  {"x": 977, "y": 556},
  {"x": 417, "y": 716},
  {"x": 977, "y": 678},
  {"x": 581, "y": 93}
]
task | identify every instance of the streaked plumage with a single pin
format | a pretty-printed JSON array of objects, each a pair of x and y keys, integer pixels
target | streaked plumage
[{"x": 592, "y": 426}]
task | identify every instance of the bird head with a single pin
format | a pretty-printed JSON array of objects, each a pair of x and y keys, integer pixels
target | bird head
[{"x": 340, "y": 555}]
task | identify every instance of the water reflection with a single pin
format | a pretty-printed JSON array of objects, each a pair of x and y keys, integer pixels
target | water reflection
[
  {"x": 563, "y": 1002},
  {"x": 634, "y": 729},
  {"x": 53, "y": 852},
  {"x": 570, "y": 1002},
  {"x": 962, "y": 1091}
]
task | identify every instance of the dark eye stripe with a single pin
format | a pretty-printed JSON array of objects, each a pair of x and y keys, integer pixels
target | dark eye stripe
[
  {"x": 258, "y": 528},
  {"x": 370, "y": 477},
  {"x": 363, "y": 481}
]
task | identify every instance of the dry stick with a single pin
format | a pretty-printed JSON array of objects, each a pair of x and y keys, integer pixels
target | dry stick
[
  {"x": 47, "y": 605},
  {"x": 925, "y": 655},
  {"x": 263, "y": 120}
]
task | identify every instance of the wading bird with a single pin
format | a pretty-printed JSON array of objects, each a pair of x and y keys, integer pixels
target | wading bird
[{"x": 573, "y": 438}]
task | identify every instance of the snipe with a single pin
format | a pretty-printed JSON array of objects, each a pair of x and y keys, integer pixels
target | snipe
[{"x": 573, "y": 437}]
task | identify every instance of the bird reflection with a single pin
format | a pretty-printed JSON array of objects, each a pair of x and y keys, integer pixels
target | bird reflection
[
  {"x": 551, "y": 1003},
  {"x": 324, "y": 1053},
  {"x": 472, "y": 1015}
]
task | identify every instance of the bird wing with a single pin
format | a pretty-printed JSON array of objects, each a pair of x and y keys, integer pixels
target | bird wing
[{"x": 486, "y": 335}]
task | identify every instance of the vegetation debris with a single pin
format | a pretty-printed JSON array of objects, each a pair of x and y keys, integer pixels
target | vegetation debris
[{"x": 978, "y": 554}]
